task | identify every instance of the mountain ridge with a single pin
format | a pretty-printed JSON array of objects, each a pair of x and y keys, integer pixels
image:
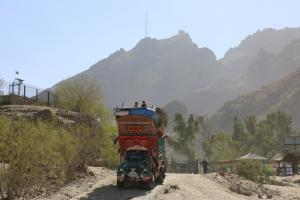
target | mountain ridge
[
  {"x": 283, "y": 95},
  {"x": 259, "y": 59},
  {"x": 151, "y": 70},
  {"x": 162, "y": 70}
]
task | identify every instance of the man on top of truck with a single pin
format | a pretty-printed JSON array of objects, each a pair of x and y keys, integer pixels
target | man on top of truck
[
  {"x": 144, "y": 105},
  {"x": 136, "y": 104}
]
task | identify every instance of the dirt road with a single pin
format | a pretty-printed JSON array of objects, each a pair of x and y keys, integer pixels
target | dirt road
[
  {"x": 176, "y": 186},
  {"x": 102, "y": 186}
]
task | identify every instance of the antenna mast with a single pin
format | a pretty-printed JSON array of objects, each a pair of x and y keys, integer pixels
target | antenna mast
[{"x": 146, "y": 24}]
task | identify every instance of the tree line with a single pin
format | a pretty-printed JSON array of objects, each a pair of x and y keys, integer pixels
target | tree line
[{"x": 262, "y": 136}]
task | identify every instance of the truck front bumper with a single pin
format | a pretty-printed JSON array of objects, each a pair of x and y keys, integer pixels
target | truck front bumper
[{"x": 143, "y": 178}]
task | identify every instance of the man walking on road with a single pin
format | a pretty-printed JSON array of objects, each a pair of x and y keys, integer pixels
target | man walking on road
[{"x": 204, "y": 165}]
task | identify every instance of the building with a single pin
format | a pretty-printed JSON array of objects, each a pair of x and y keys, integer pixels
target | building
[{"x": 287, "y": 161}]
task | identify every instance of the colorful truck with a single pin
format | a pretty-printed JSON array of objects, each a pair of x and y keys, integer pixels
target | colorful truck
[{"x": 141, "y": 146}]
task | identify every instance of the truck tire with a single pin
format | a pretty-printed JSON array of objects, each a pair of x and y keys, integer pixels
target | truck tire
[
  {"x": 120, "y": 185},
  {"x": 160, "y": 179},
  {"x": 149, "y": 185}
]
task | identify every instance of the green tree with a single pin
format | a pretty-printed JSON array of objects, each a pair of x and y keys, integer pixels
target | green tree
[
  {"x": 238, "y": 129},
  {"x": 221, "y": 146},
  {"x": 251, "y": 124},
  {"x": 80, "y": 94},
  {"x": 186, "y": 131},
  {"x": 281, "y": 124},
  {"x": 264, "y": 137},
  {"x": 248, "y": 136},
  {"x": 264, "y": 141}
]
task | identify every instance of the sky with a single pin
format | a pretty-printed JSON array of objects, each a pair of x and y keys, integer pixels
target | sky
[{"x": 50, "y": 40}]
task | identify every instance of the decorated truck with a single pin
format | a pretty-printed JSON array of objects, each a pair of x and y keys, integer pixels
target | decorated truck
[{"x": 141, "y": 146}]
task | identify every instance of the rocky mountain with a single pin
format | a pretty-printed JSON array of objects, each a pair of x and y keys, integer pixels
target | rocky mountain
[
  {"x": 268, "y": 67},
  {"x": 158, "y": 71},
  {"x": 280, "y": 95},
  {"x": 270, "y": 40},
  {"x": 261, "y": 58},
  {"x": 174, "y": 107},
  {"x": 265, "y": 70},
  {"x": 171, "y": 109}
]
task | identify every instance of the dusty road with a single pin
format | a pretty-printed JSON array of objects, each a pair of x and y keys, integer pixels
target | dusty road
[
  {"x": 176, "y": 186},
  {"x": 102, "y": 186}
]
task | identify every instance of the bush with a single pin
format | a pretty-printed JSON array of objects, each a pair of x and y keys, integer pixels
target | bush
[
  {"x": 43, "y": 153},
  {"x": 109, "y": 150},
  {"x": 268, "y": 171},
  {"x": 34, "y": 154},
  {"x": 249, "y": 169},
  {"x": 254, "y": 170}
]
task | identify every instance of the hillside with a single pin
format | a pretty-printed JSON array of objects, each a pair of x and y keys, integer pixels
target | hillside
[
  {"x": 162, "y": 70},
  {"x": 155, "y": 70},
  {"x": 280, "y": 95},
  {"x": 267, "y": 67},
  {"x": 33, "y": 113},
  {"x": 271, "y": 40},
  {"x": 259, "y": 59}
]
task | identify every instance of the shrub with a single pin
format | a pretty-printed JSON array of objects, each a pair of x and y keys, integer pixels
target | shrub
[
  {"x": 109, "y": 150},
  {"x": 44, "y": 153},
  {"x": 249, "y": 169},
  {"x": 33, "y": 155},
  {"x": 268, "y": 171}
]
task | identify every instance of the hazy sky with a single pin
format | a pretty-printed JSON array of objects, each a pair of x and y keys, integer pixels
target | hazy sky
[{"x": 49, "y": 40}]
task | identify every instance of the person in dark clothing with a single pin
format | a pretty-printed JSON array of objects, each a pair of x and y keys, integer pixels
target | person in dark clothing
[
  {"x": 144, "y": 105},
  {"x": 204, "y": 165},
  {"x": 136, "y": 104}
]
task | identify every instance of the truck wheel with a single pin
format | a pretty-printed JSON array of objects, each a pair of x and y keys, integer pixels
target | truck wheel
[
  {"x": 160, "y": 179},
  {"x": 161, "y": 176},
  {"x": 149, "y": 185},
  {"x": 120, "y": 185}
]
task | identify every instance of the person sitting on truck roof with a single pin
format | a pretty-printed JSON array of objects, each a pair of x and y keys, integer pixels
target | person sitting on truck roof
[
  {"x": 136, "y": 104},
  {"x": 144, "y": 105}
]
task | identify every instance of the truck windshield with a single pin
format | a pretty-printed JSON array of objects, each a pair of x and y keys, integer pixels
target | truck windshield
[{"x": 136, "y": 156}]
